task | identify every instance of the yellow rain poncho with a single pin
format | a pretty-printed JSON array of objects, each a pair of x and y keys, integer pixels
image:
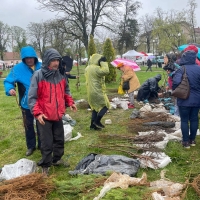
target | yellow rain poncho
[{"x": 95, "y": 83}]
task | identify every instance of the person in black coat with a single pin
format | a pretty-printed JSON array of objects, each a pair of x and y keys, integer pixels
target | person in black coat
[
  {"x": 149, "y": 64},
  {"x": 67, "y": 64},
  {"x": 149, "y": 88}
]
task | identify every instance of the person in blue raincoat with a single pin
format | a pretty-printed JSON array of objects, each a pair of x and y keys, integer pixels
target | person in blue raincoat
[
  {"x": 95, "y": 74},
  {"x": 189, "y": 108},
  {"x": 21, "y": 75}
]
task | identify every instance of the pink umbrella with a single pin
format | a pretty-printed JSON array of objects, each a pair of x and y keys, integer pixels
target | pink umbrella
[{"x": 126, "y": 62}]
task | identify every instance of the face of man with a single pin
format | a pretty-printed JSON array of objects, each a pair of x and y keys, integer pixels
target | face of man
[
  {"x": 30, "y": 61},
  {"x": 54, "y": 64}
]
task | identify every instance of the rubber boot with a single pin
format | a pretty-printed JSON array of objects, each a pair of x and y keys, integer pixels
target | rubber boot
[
  {"x": 98, "y": 123},
  {"x": 93, "y": 127}
]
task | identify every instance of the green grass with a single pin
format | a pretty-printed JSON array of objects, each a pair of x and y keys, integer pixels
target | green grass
[{"x": 185, "y": 163}]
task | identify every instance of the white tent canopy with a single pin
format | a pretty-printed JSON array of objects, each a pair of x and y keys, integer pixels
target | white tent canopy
[
  {"x": 1, "y": 61},
  {"x": 132, "y": 53}
]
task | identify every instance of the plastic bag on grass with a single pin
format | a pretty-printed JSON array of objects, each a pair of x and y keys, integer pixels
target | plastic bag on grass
[
  {"x": 161, "y": 159},
  {"x": 20, "y": 168},
  {"x": 67, "y": 132}
]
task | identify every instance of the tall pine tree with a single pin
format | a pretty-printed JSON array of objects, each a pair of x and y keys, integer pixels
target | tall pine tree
[
  {"x": 109, "y": 53},
  {"x": 91, "y": 47}
]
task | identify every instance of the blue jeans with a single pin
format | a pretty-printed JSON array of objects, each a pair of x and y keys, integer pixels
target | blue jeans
[{"x": 189, "y": 114}]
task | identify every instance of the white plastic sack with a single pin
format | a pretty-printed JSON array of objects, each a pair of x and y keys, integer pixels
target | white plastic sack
[
  {"x": 124, "y": 105},
  {"x": 146, "y": 133},
  {"x": 113, "y": 105},
  {"x": 146, "y": 108},
  {"x": 161, "y": 144},
  {"x": 108, "y": 121},
  {"x": 77, "y": 137},
  {"x": 157, "y": 196},
  {"x": 67, "y": 132},
  {"x": 173, "y": 137},
  {"x": 159, "y": 110},
  {"x": 161, "y": 159},
  {"x": 20, "y": 168},
  {"x": 177, "y": 133},
  {"x": 116, "y": 100}
]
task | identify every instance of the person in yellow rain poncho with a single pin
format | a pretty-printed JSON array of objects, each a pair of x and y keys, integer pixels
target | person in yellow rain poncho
[
  {"x": 95, "y": 74},
  {"x": 129, "y": 75}
]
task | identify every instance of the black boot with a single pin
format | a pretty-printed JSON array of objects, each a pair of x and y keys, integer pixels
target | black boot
[
  {"x": 93, "y": 127},
  {"x": 97, "y": 122}
]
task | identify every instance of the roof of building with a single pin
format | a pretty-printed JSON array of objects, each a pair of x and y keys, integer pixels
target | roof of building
[{"x": 11, "y": 56}]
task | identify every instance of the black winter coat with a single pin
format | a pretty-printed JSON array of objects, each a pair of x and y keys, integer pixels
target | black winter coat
[{"x": 149, "y": 88}]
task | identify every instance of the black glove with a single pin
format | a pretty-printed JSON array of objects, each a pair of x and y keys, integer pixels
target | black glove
[{"x": 102, "y": 59}]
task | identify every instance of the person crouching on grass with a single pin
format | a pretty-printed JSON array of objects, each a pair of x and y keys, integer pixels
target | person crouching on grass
[{"x": 48, "y": 97}]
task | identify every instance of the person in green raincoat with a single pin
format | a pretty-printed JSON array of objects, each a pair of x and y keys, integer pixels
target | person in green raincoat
[{"x": 95, "y": 74}]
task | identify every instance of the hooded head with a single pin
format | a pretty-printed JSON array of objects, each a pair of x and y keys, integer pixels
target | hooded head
[
  {"x": 28, "y": 52},
  {"x": 158, "y": 77},
  {"x": 171, "y": 58},
  {"x": 94, "y": 59},
  {"x": 189, "y": 56},
  {"x": 49, "y": 55}
]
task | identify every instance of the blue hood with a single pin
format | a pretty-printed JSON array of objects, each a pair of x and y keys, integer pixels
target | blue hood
[
  {"x": 28, "y": 52},
  {"x": 188, "y": 58}
]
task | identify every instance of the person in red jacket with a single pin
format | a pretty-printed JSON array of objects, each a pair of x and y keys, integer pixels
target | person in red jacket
[{"x": 48, "y": 97}]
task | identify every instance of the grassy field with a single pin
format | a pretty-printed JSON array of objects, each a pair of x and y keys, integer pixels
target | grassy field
[{"x": 184, "y": 166}]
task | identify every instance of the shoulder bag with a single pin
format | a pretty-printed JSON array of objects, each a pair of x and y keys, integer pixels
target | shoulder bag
[
  {"x": 126, "y": 85},
  {"x": 182, "y": 91}
]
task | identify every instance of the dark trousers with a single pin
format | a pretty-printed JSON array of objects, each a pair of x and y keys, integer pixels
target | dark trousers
[
  {"x": 28, "y": 120},
  {"x": 52, "y": 142},
  {"x": 189, "y": 115},
  {"x": 99, "y": 114},
  {"x": 149, "y": 68}
]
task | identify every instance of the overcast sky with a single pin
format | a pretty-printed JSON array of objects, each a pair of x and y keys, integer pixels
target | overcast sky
[{"x": 22, "y": 12}]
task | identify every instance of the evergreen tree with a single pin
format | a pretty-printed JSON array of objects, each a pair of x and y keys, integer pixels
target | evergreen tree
[
  {"x": 109, "y": 53},
  {"x": 91, "y": 47}
]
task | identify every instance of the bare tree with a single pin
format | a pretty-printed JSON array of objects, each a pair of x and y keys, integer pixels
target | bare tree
[
  {"x": 128, "y": 28},
  {"x": 192, "y": 18},
  {"x": 5, "y": 36},
  {"x": 39, "y": 34},
  {"x": 146, "y": 23},
  {"x": 19, "y": 39},
  {"x": 84, "y": 16},
  {"x": 59, "y": 39}
]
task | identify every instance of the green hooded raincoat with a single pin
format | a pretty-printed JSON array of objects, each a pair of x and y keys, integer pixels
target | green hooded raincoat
[{"x": 95, "y": 83}]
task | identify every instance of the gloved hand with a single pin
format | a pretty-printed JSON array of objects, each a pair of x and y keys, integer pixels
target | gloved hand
[{"x": 103, "y": 59}]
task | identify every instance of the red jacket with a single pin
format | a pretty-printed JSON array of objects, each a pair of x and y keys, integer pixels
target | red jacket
[{"x": 49, "y": 92}]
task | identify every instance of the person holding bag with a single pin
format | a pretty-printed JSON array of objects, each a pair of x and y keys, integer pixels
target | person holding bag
[
  {"x": 130, "y": 82},
  {"x": 189, "y": 107}
]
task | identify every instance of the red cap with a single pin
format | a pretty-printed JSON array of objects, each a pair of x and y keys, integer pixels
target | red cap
[{"x": 191, "y": 48}]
